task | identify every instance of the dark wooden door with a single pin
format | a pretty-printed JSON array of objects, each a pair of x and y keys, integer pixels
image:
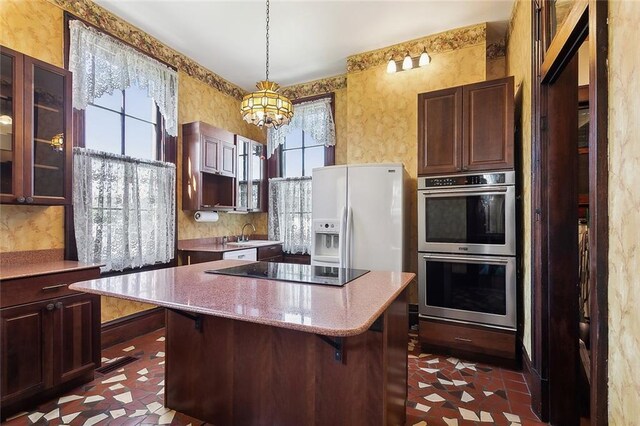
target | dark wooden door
[
  {"x": 25, "y": 352},
  {"x": 488, "y": 125},
  {"x": 76, "y": 344},
  {"x": 210, "y": 154},
  {"x": 47, "y": 115},
  {"x": 440, "y": 131},
  {"x": 11, "y": 107}
]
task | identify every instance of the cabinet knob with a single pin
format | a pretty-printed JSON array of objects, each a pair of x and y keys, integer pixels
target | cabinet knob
[
  {"x": 20, "y": 199},
  {"x": 29, "y": 200},
  {"x": 58, "y": 305},
  {"x": 50, "y": 307}
]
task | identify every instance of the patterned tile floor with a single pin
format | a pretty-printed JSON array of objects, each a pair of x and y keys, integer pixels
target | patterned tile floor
[{"x": 442, "y": 391}]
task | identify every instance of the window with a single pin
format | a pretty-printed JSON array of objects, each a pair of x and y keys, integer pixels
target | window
[
  {"x": 124, "y": 122},
  {"x": 300, "y": 154}
]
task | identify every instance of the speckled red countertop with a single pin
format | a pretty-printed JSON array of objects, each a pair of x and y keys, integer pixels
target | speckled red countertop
[
  {"x": 213, "y": 245},
  {"x": 331, "y": 311},
  {"x": 23, "y": 270}
]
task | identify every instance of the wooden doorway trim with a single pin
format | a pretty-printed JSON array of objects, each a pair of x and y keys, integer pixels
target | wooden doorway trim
[{"x": 588, "y": 18}]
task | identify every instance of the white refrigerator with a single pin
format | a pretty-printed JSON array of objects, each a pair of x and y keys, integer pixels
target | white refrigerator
[{"x": 358, "y": 216}]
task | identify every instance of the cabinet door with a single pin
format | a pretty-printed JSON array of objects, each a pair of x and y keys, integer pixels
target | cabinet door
[
  {"x": 210, "y": 154},
  {"x": 258, "y": 177},
  {"x": 228, "y": 159},
  {"x": 77, "y": 336},
  {"x": 440, "y": 131},
  {"x": 11, "y": 127},
  {"x": 25, "y": 352},
  {"x": 47, "y": 115},
  {"x": 242, "y": 182},
  {"x": 488, "y": 125}
]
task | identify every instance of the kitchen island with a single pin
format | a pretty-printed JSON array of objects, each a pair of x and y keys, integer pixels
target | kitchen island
[{"x": 255, "y": 351}]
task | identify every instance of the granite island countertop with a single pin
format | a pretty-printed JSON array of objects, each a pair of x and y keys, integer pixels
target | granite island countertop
[{"x": 332, "y": 311}]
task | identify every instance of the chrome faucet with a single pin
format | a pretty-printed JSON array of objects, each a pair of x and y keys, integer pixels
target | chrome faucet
[{"x": 242, "y": 237}]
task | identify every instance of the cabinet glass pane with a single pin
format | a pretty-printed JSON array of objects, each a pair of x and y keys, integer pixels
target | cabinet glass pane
[
  {"x": 102, "y": 130},
  {"x": 559, "y": 11},
  {"x": 140, "y": 139},
  {"x": 6, "y": 124},
  {"x": 48, "y": 121},
  {"x": 242, "y": 174},
  {"x": 257, "y": 162}
]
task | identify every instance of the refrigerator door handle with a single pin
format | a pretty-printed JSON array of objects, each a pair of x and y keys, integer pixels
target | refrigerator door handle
[
  {"x": 349, "y": 241},
  {"x": 342, "y": 236}
]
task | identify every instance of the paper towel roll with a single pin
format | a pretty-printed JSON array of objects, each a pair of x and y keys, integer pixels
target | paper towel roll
[{"x": 206, "y": 216}]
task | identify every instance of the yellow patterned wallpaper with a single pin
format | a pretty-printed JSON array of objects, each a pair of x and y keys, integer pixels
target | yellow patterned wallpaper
[
  {"x": 382, "y": 116},
  {"x": 624, "y": 213},
  {"x": 519, "y": 65}
]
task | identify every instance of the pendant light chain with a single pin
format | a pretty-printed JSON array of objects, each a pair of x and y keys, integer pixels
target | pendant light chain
[{"x": 267, "y": 67}]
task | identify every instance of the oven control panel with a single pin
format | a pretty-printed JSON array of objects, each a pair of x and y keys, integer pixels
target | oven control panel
[{"x": 498, "y": 178}]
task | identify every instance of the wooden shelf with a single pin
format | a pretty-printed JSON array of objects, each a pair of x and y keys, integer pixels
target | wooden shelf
[
  {"x": 46, "y": 108},
  {"x": 44, "y": 166}
]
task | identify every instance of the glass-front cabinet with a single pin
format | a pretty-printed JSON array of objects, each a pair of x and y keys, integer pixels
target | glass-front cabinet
[
  {"x": 35, "y": 131},
  {"x": 251, "y": 179}
]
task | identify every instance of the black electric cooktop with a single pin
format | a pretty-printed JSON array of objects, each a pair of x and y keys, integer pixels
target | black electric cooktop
[{"x": 293, "y": 272}]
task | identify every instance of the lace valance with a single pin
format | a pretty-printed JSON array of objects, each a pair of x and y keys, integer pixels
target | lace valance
[
  {"x": 101, "y": 64},
  {"x": 313, "y": 117}
]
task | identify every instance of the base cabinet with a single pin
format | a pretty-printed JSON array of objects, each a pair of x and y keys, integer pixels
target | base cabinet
[
  {"x": 47, "y": 345},
  {"x": 475, "y": 342}
]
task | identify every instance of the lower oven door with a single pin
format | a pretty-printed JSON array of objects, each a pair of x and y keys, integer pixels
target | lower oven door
[{"x": 477, "y": 289}]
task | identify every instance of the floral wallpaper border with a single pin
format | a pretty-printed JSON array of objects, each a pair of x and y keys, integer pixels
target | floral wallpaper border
[
  {"x": 107, "y": 21},
  {"x": 496, "y": 50},
  {"x": 316, "y": 87},
  {"x": 436, "y": 43}
]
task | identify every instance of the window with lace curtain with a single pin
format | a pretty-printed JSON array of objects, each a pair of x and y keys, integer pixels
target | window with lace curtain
[
  {"x": 125, "y": 110},
  {"x": 307, "y": 142}
]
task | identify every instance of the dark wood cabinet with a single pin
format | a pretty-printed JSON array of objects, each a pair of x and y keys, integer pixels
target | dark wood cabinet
[
  {"x": 466, "y": 128},
  {"x": 35, "y": 114},
  {"x": 208, "y": 167},
  {"x": 270, "y": 253},
  {"x": 50, "y": 338},
  {"x": 474, "y": 342}
]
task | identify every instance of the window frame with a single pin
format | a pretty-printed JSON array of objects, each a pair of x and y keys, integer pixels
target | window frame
[
  {"x": 275, "y": 163},
  {"x": 166, "y": 150}
]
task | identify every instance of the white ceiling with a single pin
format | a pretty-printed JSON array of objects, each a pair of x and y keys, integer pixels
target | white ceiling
[{"x": 309, "y": 39}]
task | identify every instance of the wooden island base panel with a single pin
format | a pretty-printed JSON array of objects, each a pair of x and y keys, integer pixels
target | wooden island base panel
[
  {"x": 253, "y": 352},
  {"x": 236, "y": 372}
]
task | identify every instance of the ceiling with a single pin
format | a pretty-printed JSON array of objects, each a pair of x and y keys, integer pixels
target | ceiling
[{"x": 309, "y": 39}]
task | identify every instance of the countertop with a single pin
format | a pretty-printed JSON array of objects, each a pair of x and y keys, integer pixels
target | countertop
[
  {"x": 217, "y": 247},
  {"x": 26, "y": 270},
  {"x": 331, "y": 311}
]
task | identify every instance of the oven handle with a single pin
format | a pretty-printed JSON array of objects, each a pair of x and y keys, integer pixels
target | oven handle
[
  {"x": 446, "y": 191},
  {"x": 469, "y": 259}
]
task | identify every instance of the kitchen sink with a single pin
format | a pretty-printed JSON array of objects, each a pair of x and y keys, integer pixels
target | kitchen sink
[{"x": 254, "y": 243}]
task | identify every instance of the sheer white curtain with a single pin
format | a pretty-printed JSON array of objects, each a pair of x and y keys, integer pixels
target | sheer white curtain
[
  {"x": 124, "y": 209},
  {"x": 101, "y": 64},
  {"x": 314, "y": 117},
  {"x": 290, "y": 213}
]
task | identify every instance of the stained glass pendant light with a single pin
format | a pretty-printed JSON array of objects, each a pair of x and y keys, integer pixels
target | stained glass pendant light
[{"x": 266, "y": 107}]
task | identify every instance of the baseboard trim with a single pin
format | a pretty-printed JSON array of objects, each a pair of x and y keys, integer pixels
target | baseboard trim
[
  {"x": 538, "y": 387},
  {"x": 126, "y": 328}
]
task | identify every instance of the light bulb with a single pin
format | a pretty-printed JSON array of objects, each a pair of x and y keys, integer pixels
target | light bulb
[
  {"x": 407, "y": 63},
  {"x": 391, "y": 66},
  {"x": 425, "y": 59}
]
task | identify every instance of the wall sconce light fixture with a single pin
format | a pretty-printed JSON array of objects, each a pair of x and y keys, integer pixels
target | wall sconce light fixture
[{"x": 408, "y": 62}]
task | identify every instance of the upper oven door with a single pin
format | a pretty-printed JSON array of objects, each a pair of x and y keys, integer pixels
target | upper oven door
[{"x": 467, "y": 220}]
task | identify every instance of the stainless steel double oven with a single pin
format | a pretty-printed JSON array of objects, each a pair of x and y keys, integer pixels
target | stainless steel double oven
[{"x": 467, "y": 248}]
